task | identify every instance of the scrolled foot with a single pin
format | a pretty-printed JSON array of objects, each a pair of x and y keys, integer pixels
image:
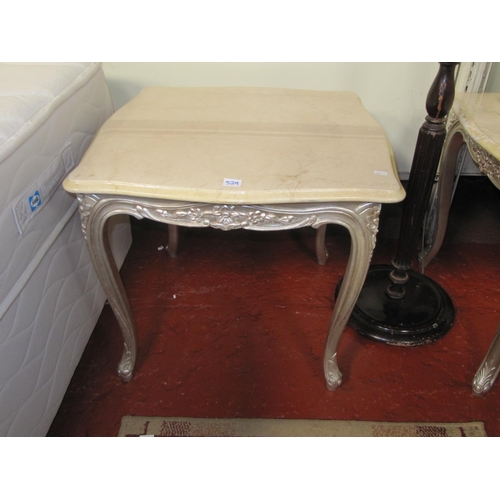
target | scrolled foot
[
  {"x": 332, "y": 374},
  {"x": 322, "y": 257},
  {"x": 483, "y": 380},
  {"x": 126, "y": 366}
]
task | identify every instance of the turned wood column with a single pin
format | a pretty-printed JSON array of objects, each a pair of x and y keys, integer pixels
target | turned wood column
[
  {"x": 398, "y": 305},
  {"x": 423, "y": 171}
]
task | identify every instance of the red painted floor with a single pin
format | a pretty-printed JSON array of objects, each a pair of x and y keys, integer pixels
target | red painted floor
[{"x": 235, "y": 327}]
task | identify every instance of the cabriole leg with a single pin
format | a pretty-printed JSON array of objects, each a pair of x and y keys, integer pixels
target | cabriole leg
[
  {"x": 94, "y": 223},
  {"x": 488, "y": 370},
  {"x": 363, "y": 226}
]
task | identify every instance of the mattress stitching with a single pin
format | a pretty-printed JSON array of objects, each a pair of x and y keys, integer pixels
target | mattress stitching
[
  {"x": 35, "y": 261},
  {"x": 42, "y": 115}
]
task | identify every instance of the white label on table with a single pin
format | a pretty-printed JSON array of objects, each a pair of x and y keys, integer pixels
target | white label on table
[
  {"x": 232, "y": 182},
  {"x": 380, "y": 172}
]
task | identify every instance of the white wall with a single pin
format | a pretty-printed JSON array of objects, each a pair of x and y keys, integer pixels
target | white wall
[
  {"x": 493, "y": 84},
  {"x": 394, "y": 93}
]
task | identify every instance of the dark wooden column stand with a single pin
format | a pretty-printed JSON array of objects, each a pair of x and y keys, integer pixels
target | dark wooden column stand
[{"x": 398, "y": 305}]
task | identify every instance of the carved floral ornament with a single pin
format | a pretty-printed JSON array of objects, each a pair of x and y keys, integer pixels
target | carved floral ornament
[
  {"x": 484, "y": 378},
  {"x": 86, "y": 202},
  {"x": 372, "y": 215},
  {"x": 486, "y": 163},
  {"x": 452, "y": 120},
  {"x": 227, "y": 217}
]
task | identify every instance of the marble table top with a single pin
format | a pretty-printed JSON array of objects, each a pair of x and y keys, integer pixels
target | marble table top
[
  {"x": 480, "y": 116},
  {"x": 241, "y": 146}
]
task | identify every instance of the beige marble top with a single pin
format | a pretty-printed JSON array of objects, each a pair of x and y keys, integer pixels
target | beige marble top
[
  {"x": 241, "y": 145},
  {"x": 480, "y": 116}
]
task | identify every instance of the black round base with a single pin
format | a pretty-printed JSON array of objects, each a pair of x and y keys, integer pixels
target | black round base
[{"x": 424, "y": 315}]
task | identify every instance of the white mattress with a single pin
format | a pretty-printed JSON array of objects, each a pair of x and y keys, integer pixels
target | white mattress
[{"x": 50, "y": 298}]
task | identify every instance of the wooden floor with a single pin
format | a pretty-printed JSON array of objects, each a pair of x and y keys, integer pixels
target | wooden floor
[{"x": 235, "y": 327}]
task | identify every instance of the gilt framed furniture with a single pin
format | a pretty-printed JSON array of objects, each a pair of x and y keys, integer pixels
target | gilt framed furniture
[
  {"x": 474, "y": 124},
  {"x": 238, "y": 158}
]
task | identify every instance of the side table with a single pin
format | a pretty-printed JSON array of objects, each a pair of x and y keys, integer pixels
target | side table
[
  {"x": 238, "y": 158},
  {"x": 474, "y": 124}
]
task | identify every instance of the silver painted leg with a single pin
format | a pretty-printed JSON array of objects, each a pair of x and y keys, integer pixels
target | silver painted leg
[
  {"x": 362, "y": 224},
  {"x": 94, "y": 215},
  {"x": 489, "y": 368},
  {"x": 321, "y": 251},
  {"x": 173, "y": 240}
]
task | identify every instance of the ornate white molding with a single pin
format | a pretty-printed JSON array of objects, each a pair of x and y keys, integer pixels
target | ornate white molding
[
  {"x": 486, "y": 163},
  {"x": 371, "y": 216},
  {"x": 452, "y": 120},
  {"x": 86, "y": 203}
]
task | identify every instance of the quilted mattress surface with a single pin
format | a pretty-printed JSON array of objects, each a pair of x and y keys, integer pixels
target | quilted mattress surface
[{"x": 50, "y": 298}]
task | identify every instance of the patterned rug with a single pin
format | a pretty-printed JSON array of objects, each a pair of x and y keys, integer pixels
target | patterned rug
[{"x": 256, "y": 427}]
